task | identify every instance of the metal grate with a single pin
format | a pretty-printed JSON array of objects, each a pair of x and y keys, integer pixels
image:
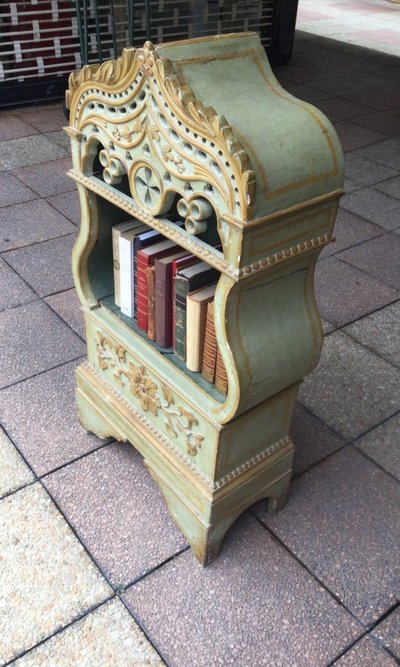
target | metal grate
[
  {"x": 38, "y": 38},
  {"x": 107, "y": 27},
  {"x": 41, "y": 41}
]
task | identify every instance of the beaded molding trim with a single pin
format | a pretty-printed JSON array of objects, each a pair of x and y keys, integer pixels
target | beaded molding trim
[
  {"x": 128, "y": 205},
  {"x": 284, "y": 255},
  {"x": 210, "y": 256},
  {"x": 250, "y": 463},
  {"x": 212, "y": 486}
]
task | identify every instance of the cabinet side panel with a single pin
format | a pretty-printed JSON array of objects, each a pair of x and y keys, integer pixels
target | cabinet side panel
[{"x": 278, "y": 307}]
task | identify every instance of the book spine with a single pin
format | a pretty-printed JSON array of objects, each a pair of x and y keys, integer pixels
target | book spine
[
  {"x": 141, "y": 287},
  {"x": 176, "y": 265},
  {"x": 151, "y": 332},
  {"x": 116, "y": 267},
  {"x": 210, "y": 346},
  {"x": 126, "y": 276},
  {"x": 163, "y": 311},
  {"x": 135, "y": 251},
  {"x": 221, "y": 378},
  {"x": 196, "y": 315},
  {"x": 142, "y": 241},
  {"x": 181, "y": 292}
]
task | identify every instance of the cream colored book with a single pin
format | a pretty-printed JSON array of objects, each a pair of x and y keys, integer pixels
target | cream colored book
[
  {"x": 196, "y": 316},
  {"x": 117, "y": 230}
]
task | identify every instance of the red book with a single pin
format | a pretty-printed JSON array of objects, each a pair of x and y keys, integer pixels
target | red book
[
  {"x": 163, "y": 298},
  {"x": 145, "y": 258}
]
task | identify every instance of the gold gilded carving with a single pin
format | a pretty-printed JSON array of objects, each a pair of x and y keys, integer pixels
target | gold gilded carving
[
  {"x": 109, "y": 72},
  {"x": 179, "y": 422},
  {"x": 169, "y": 156},
  {"x": 284, "y": 255},
  {"x": 196, "y": 213},
  {"x": 127, "y": 93},
  {"x": 126, "y": 135},
  {"x": 253, "y": 461}
]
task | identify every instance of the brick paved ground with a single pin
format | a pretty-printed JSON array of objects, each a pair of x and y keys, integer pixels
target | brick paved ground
[{"x": 93, "y": 572}]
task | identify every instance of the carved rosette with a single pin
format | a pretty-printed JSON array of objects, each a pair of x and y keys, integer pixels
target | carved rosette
[
  {"x": 152, "y": 396},
  {"x": 139, "y": 111}
]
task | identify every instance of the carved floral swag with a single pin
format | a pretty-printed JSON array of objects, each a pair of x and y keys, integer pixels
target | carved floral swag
[{"x": 179, "y": 422}]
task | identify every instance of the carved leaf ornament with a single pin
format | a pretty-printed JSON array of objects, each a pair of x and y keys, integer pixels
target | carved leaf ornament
[
  {"x": 153, "y": 397},
  {"x": 139, "y": 110}
]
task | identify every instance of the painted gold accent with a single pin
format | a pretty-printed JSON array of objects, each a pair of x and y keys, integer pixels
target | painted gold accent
[
  {"x": 279, "y": 92},
  {"x": 179, "y": 422},
  {"x": 286, "y": 212},
  {"x": 137, "y": 79}
]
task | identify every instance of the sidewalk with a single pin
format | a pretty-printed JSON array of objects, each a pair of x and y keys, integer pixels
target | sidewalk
[
  {"x": 93, "y": 571},
  {"x": 374, "y": 24}
]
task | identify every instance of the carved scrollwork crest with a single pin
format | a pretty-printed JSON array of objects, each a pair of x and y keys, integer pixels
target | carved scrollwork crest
[{"x": 139, "y": 105}]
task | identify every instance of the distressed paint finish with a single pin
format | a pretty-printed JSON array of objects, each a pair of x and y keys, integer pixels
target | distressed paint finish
[{"x": 259, "y": 172}]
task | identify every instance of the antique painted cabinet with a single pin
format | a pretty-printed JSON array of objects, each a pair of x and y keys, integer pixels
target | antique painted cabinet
[{"x": 202, "y": 127}]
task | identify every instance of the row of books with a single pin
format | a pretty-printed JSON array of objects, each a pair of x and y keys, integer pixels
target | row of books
[{"x": 170, "y": 293}]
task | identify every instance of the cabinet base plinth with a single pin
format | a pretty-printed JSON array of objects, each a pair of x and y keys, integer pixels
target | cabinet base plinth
[
  {"x": 206, "y": 527},
  {"x": 203, "y": 509}
]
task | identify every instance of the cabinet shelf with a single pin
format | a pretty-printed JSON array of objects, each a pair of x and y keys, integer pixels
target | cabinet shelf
[
  {"x": 166, "y": 353},
  {"x": 180, "y": 236}
]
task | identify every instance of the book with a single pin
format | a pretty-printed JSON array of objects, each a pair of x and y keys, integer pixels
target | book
[
  {"x": 145, "y": 258},
  {"x": 221, "y": 378},
  {"x": 127, "y": 281},
  {"x": 151, "y": 327},
  {"x": 117, "y": 230},
  {"x": 142, "y": 241},
  {"x": 210, "y": 346},
  {"x": 163, "y": 299},
  {"x": 188, "y": 280},
  {"x": 178, "y": 264},
  {"x": 196, "y": 315}
]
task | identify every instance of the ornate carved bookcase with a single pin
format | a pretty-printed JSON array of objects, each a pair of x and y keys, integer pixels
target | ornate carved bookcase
[{"x": 203, "y": 127}]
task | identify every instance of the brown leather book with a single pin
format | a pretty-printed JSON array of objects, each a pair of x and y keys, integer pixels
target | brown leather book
[
  {"x": 145, "y": 258},
  {"x": 151, "y": 314},
  {"x": 210, "y": 346},
  {"x": 163, "y": 297},
  {"x": 221, "y": 378},
  {"x": 196, "y": 316}
]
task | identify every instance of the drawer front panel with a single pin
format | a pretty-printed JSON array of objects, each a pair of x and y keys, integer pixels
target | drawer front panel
[{"x": 149, "y": 391}]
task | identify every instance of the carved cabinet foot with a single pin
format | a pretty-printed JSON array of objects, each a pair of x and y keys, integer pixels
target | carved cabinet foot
[
  {"x": 279, "y": 495},
  {"x": 90, "y": 415}
]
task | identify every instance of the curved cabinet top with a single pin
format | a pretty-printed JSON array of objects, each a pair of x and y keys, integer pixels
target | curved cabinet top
[
  {"x": 209, "y": 114},
  {"x": 293, "y": 148}
]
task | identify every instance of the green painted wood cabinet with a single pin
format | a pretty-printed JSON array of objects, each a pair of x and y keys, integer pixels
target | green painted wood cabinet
[{"x": 206, "y": 121}]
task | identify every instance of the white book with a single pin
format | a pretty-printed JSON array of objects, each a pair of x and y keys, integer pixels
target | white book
[
  {"x": 117, "y": 230},
  {"x": 126, "y": 275}
]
